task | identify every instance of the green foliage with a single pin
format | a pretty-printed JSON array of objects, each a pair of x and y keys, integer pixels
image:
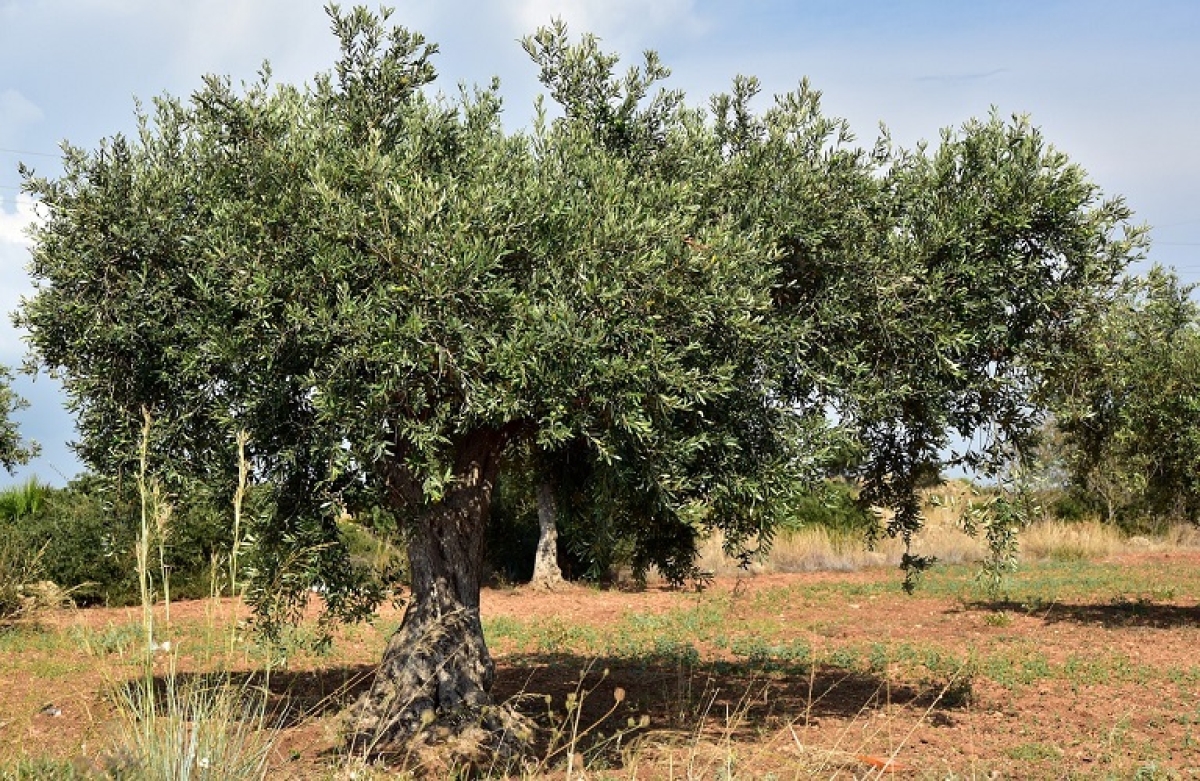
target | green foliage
[
  {"x": 513, "y": 526},
  {"x": 84, "y": 535},
  {"x": 1128, "y": 400},
  {"x": 14, "y": 451},
  {"x": 1001, "y": 514},
  {"x": 20, "y": 567},
  {"x": 987, "y": 251},
  {"x": 1069, "y": 504},
  {"x": 834, "y": 505},
  {"x": 386, "y": 289}
]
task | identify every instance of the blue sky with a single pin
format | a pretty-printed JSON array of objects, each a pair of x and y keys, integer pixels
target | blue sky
[{"x": 1114, "y": 84}]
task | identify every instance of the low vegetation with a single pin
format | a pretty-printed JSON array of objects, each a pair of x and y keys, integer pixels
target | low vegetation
[
  {"x": 795, "y": 675},
  {"x": 766, "y": 674}
]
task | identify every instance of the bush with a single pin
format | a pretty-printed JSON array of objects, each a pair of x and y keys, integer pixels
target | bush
[
  {"x": 193, "y": 728},
  {"x": 88, "y": 544},
  {"x": 832, "y": 505},
  {"x": 1068, "y": 505},
  {"x": 19, "y": 567},
  {"x": 86, "y": 534}
]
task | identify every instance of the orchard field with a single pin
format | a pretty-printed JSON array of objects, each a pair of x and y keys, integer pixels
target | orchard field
[{"x": 1075, "y": 668}]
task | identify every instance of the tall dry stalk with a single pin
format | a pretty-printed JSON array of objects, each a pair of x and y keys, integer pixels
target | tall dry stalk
[
  {"x": 239, "y": 496},
  {"x": 143, "y": 541},
  {"x": 156, "y": 525},
  {"x": 161, "y": 512},
  {"x": 205, "y": 727}
]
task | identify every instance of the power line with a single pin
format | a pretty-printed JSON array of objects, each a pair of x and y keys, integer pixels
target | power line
[{"x": 27, "y": 152}]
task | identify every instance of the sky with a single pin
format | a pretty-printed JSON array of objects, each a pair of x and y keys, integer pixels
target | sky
[{"x": 1115, "y": 85}]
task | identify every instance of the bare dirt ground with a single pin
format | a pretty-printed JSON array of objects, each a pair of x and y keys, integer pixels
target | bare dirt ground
[{"x": 778, "y": 675}]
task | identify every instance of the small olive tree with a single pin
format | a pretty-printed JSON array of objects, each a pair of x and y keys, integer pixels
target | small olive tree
[{"x": 1127, "y": 403}]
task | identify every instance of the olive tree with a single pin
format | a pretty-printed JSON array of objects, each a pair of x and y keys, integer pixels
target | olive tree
[
  {"x": 388, "y": 291},
  {"x": 992, "y": 254},
  {"x": 385, "y": 289},
  {"x": 1127, "y": 401}
]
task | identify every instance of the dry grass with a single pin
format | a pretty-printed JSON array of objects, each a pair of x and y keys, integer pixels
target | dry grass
[
  {"x": 1081, "y": 541},
  {"x": 215, "y": 730},
  {"x": 815, "y": 548}
]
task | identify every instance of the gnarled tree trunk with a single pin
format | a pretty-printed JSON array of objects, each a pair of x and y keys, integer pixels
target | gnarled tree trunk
[
  {"x": 546, "y": 573},
  {"x": 433, "y": 683}
]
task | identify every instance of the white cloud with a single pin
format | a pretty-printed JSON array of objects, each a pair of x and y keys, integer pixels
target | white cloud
[
  {"x": 14, "y": 255},
  {"x": 13, "y": 224}
]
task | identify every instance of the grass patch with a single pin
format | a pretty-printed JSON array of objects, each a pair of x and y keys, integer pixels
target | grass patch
[
  {"x": 1033, "y": 752},
  {"x": 45, "y": 769},
  {"x": 196, "y": 729}
]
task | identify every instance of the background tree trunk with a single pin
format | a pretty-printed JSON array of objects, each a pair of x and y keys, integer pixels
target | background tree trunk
[
  {"x": 546, "y": 572},
  {"x": 434, "y": 680}
]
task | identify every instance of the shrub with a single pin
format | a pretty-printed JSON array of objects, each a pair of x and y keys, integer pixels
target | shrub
[
  {"x": 89, "y": 545},
  {"x": 832, "y": 505},
  {"x": 85, "y": 534},
  {"x": 192, "y": 729},
  {"x": 1069, "y": 504},
  {"x": 19, "y": 567}
]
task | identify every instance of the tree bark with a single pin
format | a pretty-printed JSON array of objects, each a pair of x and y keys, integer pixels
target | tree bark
[
  {"x": 546, "y": 572},
  {"x": 434, "y": 681}
]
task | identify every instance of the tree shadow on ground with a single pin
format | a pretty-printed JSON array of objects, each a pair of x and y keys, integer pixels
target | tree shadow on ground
[
  {"x": 664, "y": 697},
  {"x": 693, "y": 700},
  {"x": 291, "y": 697},
  {"x": 1118, "y": 613}
]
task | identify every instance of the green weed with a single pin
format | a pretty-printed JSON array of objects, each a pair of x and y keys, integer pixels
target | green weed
[
  {"x": 112, "y": 639},
  {"x": 45, "y": 769},
  {"x": 1000, "y": 618},
  {"x": 503, "y": 627},
  {"x": 1033, "y": 752}
]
